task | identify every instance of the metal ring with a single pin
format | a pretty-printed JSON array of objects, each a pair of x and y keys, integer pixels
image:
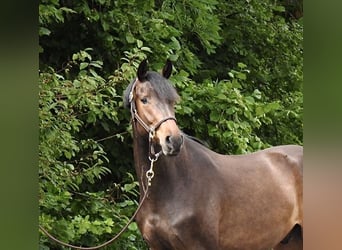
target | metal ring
[{"x": 150, "y": 174}]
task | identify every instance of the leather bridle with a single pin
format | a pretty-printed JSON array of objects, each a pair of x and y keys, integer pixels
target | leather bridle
[{"x": 151, "y": 130}]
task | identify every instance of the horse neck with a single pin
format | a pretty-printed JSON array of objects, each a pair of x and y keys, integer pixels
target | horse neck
[{"x": 167, "y": 168}]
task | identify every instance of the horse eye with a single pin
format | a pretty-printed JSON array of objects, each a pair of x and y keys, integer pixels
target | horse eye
[{"x": 144, "y": 100}]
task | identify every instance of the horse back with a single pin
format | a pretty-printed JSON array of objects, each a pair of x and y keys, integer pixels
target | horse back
[{"x": 293, "y": 154}]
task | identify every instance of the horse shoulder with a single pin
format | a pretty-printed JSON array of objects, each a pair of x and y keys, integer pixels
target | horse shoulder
[
  {"x": 176, "y": 232},
  {"x": 155, "y": 230}
]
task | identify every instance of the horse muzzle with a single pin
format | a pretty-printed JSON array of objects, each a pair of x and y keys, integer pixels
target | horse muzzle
[{"x": 172, "y": 145}]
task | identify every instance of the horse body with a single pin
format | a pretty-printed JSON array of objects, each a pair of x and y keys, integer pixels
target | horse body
[{"x": 202, "y": 200}]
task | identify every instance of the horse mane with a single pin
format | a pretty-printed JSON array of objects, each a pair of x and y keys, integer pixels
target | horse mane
[
  {"x": 196, "y": 140},
  {"x": 126, "y": 94}
]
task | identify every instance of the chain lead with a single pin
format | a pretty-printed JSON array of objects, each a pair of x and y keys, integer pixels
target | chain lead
[{"x": 150, "y": 173}]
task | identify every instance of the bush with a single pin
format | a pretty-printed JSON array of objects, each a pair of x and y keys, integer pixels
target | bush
[{"x": 74, "y": 207}]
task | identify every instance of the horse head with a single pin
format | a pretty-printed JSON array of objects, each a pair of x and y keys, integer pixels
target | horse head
[{"x": 151, "y": 98}]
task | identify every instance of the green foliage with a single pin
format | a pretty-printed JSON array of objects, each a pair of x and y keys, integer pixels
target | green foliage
[
  {"x": 71, "y": 162},
  {"x": 170, "y": 28},
  {"x": 226, "y": 115},
  {"x": 257, "y": 34},
  {"x": 238, "y": 69}
]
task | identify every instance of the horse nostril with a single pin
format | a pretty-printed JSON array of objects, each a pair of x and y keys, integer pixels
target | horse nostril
[{"x": 168, "y": 139}]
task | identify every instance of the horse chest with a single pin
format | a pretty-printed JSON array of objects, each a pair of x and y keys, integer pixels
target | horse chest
[
  {"x": 177, "y": 229},
  {"x": 158, "y": 231}
]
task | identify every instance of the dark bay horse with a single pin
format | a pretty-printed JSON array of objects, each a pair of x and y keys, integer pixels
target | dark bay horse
[{"x": 199, "y": 199}]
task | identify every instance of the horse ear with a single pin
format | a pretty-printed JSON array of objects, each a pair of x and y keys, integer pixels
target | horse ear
[
  {"x": 142, "y": 69},
  {"x": 167, "y": 69}
]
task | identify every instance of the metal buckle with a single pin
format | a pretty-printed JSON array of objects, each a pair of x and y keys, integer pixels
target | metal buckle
[{"x": 152, "y": 132}]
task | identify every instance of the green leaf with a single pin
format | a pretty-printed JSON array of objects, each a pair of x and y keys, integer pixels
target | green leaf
[
  {"x": 83, "y": 65},
  {"x": 173, "y": 57},
  {"x": 279, "y": 8},
  {"x": 221, "y": 96},
  {"x": 139, "y": 43},
  {"x": 133, "y": 226},
  {"x": 44, "y": 31},
  {"x": 96, "y": 64},
  {"x": 257, "y": 94},
  {"x": 241, "y": 76},
  {"x": 215, "y": 116},
  {"x": 75, "y": 57},
  {"x": 76, "y": 83},
  {"x": 175, "y": 43},
  {"x": 67, "y": 10},
  {"x": 67, "y": 154},
  {"x": 259, "y": 111},
  {"x": 129, "y": 186},
  {"x": 241, "y": 65},
  {"x": 231, "y": 125},
  {"x": 147, "y": 49},
  {"x": 130, "y": 38}
]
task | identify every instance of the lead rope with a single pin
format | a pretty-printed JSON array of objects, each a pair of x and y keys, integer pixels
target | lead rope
[
  {"x": 104, "y": 244},
  {"x": 149, "y": 176}
]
